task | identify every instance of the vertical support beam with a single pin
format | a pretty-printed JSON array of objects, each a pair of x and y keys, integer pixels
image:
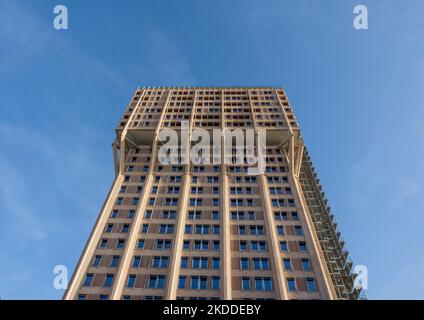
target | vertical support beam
[
  {"x": 281, "y": 284},
  {"x": 226, "y": 274},
  {"x": 116, "y": 157},
  {"x": 299, "y": 160},
  {"x": 275, "y": 257},
  {"x": 171, "y": 292},
  {"x": 135, "y": 227}
]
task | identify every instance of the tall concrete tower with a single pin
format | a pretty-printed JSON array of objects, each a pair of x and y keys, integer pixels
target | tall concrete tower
[{"x": 213, "y": 230}]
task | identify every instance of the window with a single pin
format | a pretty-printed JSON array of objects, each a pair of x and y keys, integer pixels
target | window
[
  {"x": 216, "y": 245},
  {"x": 145, "y": 228},
  {"x": 237, "y": 215},
  {"x": 298, "y": 230},
  {"x": 244, "y": 263},
  {"x": 152, "y": 201},
  {"x": 103, "y": 297},
  {"x": 278, "y": 202},
  {"x": 96, "y": 261},
  {"x": 135, "y": 201},
  {"x": 194, "y": 215},
  {"x": 160, "y": 262},
  {"x": 120, "y": 244},
  {"x": 171, "y": 201},
  {"x": 88, "y": 279},
  {"x": 260, "y": 264},
  {"x": 114, "y": 262},
  {"x": 200, "y": 263},
  {"x": 215, "y": 215},
  {"x": 174, "y": 190},
  {"x": 182, "y": 282},
  {"x": 291, "y": 202},
  {"x": 280, "y": 230},
  {"x": 302, "y": 246},
  {"x": 306, "y": 264},
  {"x": 175, "y": 179},
  {"x": 186, "y": 245},
  {"x": 236, "y": 202},
  {"x": 163, "y": 244},
  {"x": 136, "y": 262},
  {"x": 82, "y": 297},
  {"x": 108, "y": 281},
  {"x": 280, "y": 216},
  {"x": 188, "y": 229},
  {"x": 156, "y": 282},
  {"x": 103, "y": 244},
  {"x": 215, "y": 202},
  {"x": 125, "y": 228},
  {"x": 275, "y": 190},
  {"x": 202, "y": 229},
  {"x": 291, "y": 285},
  {"x": 168, "y": 214},
  {"x": 166, "y": 228},
  {"x": 287, "y": 264},
  {"x": 196, "y": 202},
  {"x": 215, "y": 263},
  {"x": 114, "y": 213},
  {"x": 154, "y": 190},
  {"x": 245, "y": 283},
  {"x": 215, "y": 283},
  {"x": 109, "y": 228},
  {"x": 216, "y": 229},
  {"x": 243, "y": 246},
  {"x": 201, "y": 245},
  {"x": 131, "y": 214},
  {"x": 131, "y": 281},
  {"x": 184, "y": 263},
  {"x": 283, "y": 246},
  {"x": 148, "y": 214},
  {"x": 196, "y": 190},
  {"x": 258, "y": 246},
  {"x": 140, "y": 244},
  {"x": 251, "y": 215},
  {"x": 295, "y": 216},
  {"x": 310, "y": 284},
  {"x": 242, "y": 230},
  {"x": 263, "y": 284},
  {"x": 203, "y": 283},
  {"x": 256, "y": 230}
]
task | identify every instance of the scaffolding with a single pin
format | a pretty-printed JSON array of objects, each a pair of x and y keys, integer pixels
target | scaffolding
[{"x": 332, "y": 244}]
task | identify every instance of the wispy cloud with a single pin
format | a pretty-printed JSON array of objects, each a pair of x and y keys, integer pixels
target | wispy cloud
[
  {"x": 27, "y": 31},
  {"x": 24, "y": 220},
  {"x": 163, "y": 58}
]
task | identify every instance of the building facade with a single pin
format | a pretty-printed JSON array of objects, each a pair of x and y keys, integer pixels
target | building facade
[{"x": 186, "y": 230}]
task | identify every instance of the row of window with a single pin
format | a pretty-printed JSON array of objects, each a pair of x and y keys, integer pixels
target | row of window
[
  {"x": 199, "y": 283},
  {"x": 256, "y": 230},
  {"x": 200, "y": 263},
  {"x": 297, "y": 230}
]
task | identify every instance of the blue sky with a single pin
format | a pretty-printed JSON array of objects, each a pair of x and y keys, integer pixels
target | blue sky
[{"x": 358, "y": 96}]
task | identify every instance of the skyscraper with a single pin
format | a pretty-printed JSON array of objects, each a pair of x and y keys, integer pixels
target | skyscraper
[{"x": 212, "y": 229}]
